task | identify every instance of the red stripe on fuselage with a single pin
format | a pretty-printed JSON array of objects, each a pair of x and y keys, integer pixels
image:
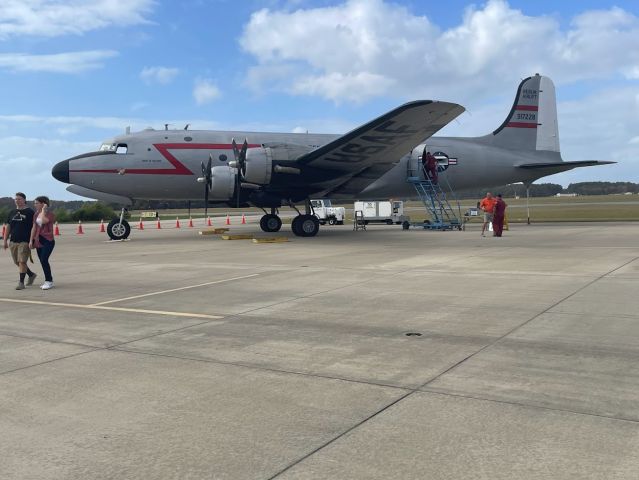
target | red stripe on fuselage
[
  {"x": 532, "y": 108},
  {"x": 521, "y": 125},
  {"x": 179, "y": 167}
]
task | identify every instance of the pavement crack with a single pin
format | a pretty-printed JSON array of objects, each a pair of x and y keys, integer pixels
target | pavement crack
[{"x": 511, "y": 331}]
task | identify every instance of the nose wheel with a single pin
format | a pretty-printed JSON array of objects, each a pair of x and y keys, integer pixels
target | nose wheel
[
  {"x": 118, "y": 229},
  {"x": 305, "y": 225}
]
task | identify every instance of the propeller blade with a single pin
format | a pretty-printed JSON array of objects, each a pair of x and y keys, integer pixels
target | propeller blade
[
  {"x": 236, "y": 151},
  {"x": 209, "y": 173},
  {"x": 241, "y": 166},
  {"x": 243, "y": 152},
  {"x": 208, "y": 182},
  {"x": 206, "y": 202},
  {"x": 237, "y": 185}
]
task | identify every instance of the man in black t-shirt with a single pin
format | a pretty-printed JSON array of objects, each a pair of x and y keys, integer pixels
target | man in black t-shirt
[{"x": 17, "y": 237}]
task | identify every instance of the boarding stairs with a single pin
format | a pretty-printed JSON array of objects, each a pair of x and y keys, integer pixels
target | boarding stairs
[{"x": 435, "y": 199}]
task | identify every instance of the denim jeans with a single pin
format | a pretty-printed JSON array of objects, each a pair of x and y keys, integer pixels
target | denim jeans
[{"x": 44, "y": 253}]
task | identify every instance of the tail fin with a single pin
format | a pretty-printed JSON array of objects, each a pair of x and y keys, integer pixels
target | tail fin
[{"x": 532, "y": 121}]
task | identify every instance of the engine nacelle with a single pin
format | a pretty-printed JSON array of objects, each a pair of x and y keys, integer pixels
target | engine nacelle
[
  {"x": 223, "y": 183},
  {"x": 260, "y": 162},
  {"x": 258, "y": 167}
]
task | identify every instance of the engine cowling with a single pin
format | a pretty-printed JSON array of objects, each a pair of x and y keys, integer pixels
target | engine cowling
[
  {"x": 222, "y": 182},
  {"x": 261, "y": 162},
  {"x": 258, "y": 167}
]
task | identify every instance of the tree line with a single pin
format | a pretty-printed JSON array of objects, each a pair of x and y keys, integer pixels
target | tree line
[{"x": 552, "y": 189}]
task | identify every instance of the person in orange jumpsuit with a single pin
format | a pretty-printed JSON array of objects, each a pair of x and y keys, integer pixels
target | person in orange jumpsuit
[
  {"x": 488, "y": 206},
  {"x": 499, "y": 213}
]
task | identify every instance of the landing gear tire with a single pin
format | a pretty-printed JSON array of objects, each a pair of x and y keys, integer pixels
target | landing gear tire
[
  {"x": 270, "y": 223},
  {"x": 305, "y": 225},
  {"x": 118, "y": 230}
]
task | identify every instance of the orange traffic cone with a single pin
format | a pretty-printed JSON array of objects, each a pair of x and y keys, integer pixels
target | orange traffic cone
[
  {"x": 228, "y": 219},
  {"x": 177, "y": 222},
  {"x": 102, "y": 229},
  {"x": 141, "y": 224},
  {"x": 208, "y": 222},
  {"x": 80, "y": 230},
  {"x": 190, "y": 222},
  {"x": 243, "y": 220},
  {"x": 4, "y": 230},
  {"x": 56, "y": 230},
  {"x": 159, "y": 226}
]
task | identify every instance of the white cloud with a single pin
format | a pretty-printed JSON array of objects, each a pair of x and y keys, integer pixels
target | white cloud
[
  {"x": 69, "y": 62},
  {"x": 51, "y": 18},
  {"x": 137, "y": 106},
  {"x": 367, "y": 48},
  {"x": 205, "y": 91},
  {"x": 336, "y": 86},
  {"x": 30, "y": 161},
  {"x": 600, "y": 127},
  {"x": 160, "y": 75}
]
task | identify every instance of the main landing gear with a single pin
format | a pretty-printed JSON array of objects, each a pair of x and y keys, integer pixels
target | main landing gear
[
  {"x": 304, "y": 225},
  {"x": 271, "y": 222}
]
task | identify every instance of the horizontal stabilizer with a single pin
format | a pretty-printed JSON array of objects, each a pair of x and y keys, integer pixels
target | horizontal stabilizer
[{"x": 556, "y": 167}]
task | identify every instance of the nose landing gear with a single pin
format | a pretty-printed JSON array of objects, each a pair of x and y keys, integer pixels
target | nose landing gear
[{"x": 119, "y": 228}]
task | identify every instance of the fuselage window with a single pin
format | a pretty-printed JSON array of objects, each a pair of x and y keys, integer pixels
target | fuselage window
[
  {"x": 107, "y": 147},
  {"x": 223, "y": 158},
  {"x": 122, "y": 148}
]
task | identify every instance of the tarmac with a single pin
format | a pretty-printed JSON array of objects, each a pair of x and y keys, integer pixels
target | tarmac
[{"x": 377, "y": 354}]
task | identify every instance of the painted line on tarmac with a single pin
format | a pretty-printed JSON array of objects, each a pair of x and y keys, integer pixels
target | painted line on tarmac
[
  {"x": 113, "y": 309},
  {"x": 175, "y": 289}
]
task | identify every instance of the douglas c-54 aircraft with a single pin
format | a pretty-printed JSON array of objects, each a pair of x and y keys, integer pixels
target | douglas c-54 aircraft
[{"x": 371, "y": 162}]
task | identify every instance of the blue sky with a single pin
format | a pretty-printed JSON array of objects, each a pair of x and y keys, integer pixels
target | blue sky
[{"x": 75, "y": 72}]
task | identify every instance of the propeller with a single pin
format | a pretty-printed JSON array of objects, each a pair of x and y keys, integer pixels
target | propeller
[
  {"x": 208, "y": 183},
  {"x": 240, "y": 164}
]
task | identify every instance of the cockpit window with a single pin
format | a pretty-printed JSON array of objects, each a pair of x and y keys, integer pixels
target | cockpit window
[
  {"x": 108, "y": 147},
  {"x": 122, "y": 148}
]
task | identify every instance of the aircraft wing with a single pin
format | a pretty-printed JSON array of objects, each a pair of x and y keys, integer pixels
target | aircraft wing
[
  {"x": 556, "y": 167},
  {"x": 358, "y": 158}
]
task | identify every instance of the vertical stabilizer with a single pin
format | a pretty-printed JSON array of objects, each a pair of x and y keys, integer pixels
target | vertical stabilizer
[{"x": 532, "y": 121}]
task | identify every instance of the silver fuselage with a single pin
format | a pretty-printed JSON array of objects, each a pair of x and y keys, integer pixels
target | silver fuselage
[{"x": 166, "y": 164}]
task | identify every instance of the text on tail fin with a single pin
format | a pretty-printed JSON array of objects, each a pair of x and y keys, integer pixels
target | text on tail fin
[{"x": 531, "y": 123}]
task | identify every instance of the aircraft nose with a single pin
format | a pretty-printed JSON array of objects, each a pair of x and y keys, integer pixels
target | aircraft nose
[{"x": 61, "y": 171}]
